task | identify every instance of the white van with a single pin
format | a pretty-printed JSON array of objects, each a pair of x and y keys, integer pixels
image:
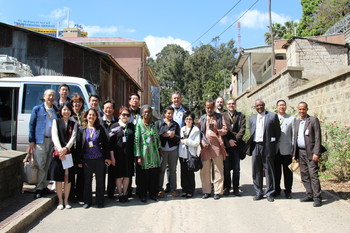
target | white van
[{"x": 18, "y": 96}]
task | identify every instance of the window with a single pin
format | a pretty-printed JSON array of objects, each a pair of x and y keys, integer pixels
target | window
[{"x": 33, "y": 94}]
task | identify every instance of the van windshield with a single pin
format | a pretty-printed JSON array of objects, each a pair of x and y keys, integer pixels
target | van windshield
[
  {"x": 90, "y": 89},
  {"x": 33, "y": 94}
]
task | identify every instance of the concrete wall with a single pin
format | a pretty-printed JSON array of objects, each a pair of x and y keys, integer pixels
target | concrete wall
[
  {"x": 316, "y": 58},
  {"x": 11, "y": 167},
  {"x": 328, "y": 97}
]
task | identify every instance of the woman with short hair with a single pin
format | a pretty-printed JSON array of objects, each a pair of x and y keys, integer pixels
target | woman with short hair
[
  {"x": 121, "y": 145},
  {"x": 147, "y": 153}
]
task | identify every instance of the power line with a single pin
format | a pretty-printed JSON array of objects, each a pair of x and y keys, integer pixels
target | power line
[
  {"x": 235, "y": 21},
  {"x": 214, "y": 24}
]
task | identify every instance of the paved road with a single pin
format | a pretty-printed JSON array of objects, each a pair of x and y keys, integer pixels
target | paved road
[{"x": 229, "y": 214}]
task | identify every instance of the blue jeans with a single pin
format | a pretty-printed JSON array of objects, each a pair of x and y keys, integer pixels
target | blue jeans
[{"x": 232, "y": 162}]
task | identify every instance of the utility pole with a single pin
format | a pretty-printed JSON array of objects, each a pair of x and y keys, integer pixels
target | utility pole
[{"x": 272, "y": 42}]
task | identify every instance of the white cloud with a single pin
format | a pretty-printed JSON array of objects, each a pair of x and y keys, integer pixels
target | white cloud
[
  {"x": 93, "y": 30},
  {"x": 257, "y": 19},
  {"x": 59, "y": 13},
  {"x": 156, "y": 44},
  {"x": 224, "y": 20}
]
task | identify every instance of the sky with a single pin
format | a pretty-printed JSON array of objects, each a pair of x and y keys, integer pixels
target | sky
[{"x": 188, "y": 23}]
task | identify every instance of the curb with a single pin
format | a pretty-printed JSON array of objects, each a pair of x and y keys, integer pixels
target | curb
[{"x": 28, "y": 214}]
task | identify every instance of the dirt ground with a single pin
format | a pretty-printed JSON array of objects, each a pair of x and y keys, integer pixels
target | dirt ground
[{"x": 341, "y": 189}]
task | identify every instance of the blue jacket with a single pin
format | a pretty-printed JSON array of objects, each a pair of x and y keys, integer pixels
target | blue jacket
[{"x": 37, "y": 123}]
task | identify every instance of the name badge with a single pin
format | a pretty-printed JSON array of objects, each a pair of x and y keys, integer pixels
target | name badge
[
  {"x": 273, "y": 139},
  {"x": 307, "y": 132},
  {"x": 91, "y": 144},
  {"x": 148, "y": 140},
  {"x": 124, "y": 139}
]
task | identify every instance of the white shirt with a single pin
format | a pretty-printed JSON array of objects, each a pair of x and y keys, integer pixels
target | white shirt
[
  {"x": 301, "y": 140},
  {"x": 259, "y": 129}
]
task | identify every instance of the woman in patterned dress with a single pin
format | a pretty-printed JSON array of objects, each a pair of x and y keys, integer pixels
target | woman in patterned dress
[{"x": 147, "y": 153}]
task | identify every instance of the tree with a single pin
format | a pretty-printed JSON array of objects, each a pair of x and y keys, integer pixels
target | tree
[
  {"x": 319, "y": 15},
  {"x": 305, "y": 26},
  {"x": 169, "y": 71},
  {"x": 329, "y": 12},
  {"x": 286, "y": 31},
  {"x": 199, "y": 76}
]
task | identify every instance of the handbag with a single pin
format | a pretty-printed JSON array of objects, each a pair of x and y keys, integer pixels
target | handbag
[
  {"x": 30, "y": 170},
  {"x": 294, "y": 166},
  {"x": 193, "y": 162}
]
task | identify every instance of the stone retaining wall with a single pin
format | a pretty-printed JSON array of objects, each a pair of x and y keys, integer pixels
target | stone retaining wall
[
  {"x": 11, "y": 167},
  {"x": 328, "y": 97}
]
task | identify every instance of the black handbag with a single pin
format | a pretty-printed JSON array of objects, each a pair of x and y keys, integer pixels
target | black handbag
[{"x": 193, "y": 162}]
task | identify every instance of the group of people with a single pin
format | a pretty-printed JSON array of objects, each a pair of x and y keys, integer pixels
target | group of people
[{"x": 97, "y": 143}]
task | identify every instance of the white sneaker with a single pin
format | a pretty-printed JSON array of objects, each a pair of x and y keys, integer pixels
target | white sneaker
[
  {"x": 60, "y": 207},
  {"x": 68, "y": 206}
]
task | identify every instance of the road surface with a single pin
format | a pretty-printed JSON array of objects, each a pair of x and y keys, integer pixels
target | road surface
[{"x": 229, "y": 214}]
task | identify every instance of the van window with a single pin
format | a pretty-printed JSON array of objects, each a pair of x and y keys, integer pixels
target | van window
[{"x": 33, "y": 94}]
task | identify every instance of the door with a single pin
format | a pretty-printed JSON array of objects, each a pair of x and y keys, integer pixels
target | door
[{"x": 8, "y": 117}]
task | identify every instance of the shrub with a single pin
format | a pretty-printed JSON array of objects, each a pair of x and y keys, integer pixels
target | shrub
[{"x": 336, "y": 160}]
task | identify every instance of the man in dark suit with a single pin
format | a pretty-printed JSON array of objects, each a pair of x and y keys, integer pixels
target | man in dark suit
[
  {"x": 265, "y": 132},
  {"x": 308, "y": 149},
  {"x": 235, "y": 122}
]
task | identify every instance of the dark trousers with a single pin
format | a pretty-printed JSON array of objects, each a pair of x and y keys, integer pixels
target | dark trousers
[
  {"x": 92, "y": 166},
  {"x": 77, "y": 186},
  {"x": 187, "y": 178},
  {"x": 148, "y": 182},
  {"x": 263, "y": 162},
  {"x": 309, "y": 175},
  {"x": 232, "y": 162},
  {"x": 281, "y": 164},
  {"x": 111, "y": 180}
]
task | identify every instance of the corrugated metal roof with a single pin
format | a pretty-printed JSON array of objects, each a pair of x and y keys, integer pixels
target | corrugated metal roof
[{"x": 98, "y": 39}]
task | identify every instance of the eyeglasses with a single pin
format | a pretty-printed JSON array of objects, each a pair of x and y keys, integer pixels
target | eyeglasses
[
  {"x": 188, "y": 119},
  {"x": 125, "y": 115}
]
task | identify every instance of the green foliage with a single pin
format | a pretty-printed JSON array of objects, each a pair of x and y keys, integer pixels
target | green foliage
[
  {"x": 169, "y": 71},
  {"x": 286, "y": 31},
  {"x": 336, "y": 161},
  {"x": 319, "y": 15},
  {"x": 199, "y": 76},
  {"x": 329, "y": 12},
  {"x": 305, "y": 26}
]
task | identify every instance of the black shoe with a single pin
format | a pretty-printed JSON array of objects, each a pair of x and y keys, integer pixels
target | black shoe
[
  {"x": 306, "y": 199},
  {"x": 121, "y": 199},
  {"x": 155, "y": 199},
  {"x": 37, "y": 194},
  {"x": 167, "y": 189},
  {"x": 236, "y": 192},
  {"x": 257, "y": 198},
  {"x": 47, "y": 191},
  {"x": 275, "y": 194},
  {"x": 288, "y": 196},
  {"x": 100, "y": 206},
  {"x": 143, "y": 199},
  {"x": 317, "y": 202},
  {"x": 270, "y": 199},
  {"x": 216, "y": 196},
  {"x": 86, "y": 206},
  {"x": 226, "y": 192},
  {"x": 205, "y": 196}
]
